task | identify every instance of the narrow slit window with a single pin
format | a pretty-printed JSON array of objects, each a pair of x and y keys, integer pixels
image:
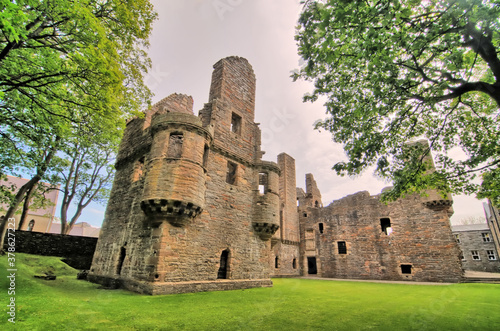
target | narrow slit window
[
  {"x": 342, "y": 247},
  {"x": 321, "y": 228},
  {"x": 236, "y": 123},
  {"x": 263, "y": 182},
  {"x": 406, "y": 269},
  {"x": 175, "y": 145},
  {"x": 231, "y": 173},
  {"x": 294, "y": 263},
  {"x": 205, "y": 156},
  {"x": 121, "y": 259},
  {"x": 276, "y": 262},
  {"x": 385, "y": 224},
  {"x": 138, "y": 169},
  {"x": 457, "y": 238}
]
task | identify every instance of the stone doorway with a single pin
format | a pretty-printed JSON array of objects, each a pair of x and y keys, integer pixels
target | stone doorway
[
  {"x": 224, "y": 264},
  {"x": 311, "y": 265}
]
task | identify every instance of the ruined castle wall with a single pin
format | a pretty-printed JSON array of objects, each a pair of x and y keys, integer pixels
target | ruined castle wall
[
  {"x": 185, "y": 213},
  {"x": 285, "y": 260},
  {"x": 348, "y": 240}
]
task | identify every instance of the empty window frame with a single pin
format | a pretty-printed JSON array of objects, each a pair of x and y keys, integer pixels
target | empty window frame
[
  {"x": 491, "y": 255},
  {"x": 321, "y": 227},
  {"x": 406, "y": 269},
  {"x": 385, "y": 224},
  {"x": 138, "y": 169},
  {"x": 475, "y": 255},
  {"x": 175, "y": 145},
  {"x": 231, "y": 173},
  {"x": 342, "y": 247},
  {"x": 206, "y": 151},
  {"x": 486, "y": 237},
  {"x": 236, "y": 123},
  {"x": 263, "y": 183}
]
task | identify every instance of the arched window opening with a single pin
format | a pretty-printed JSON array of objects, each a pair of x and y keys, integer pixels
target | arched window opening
[
  {"x": 224, "y": 265},
  {"x": 31, "y": 225},
  {"x": 121, "y": 259}
]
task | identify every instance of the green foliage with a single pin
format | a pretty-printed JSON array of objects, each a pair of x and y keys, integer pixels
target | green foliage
[
  {"x": 398, "y": 71},
  {"x": 70, "y": 63},
  {"x": 291, "y": 304}
]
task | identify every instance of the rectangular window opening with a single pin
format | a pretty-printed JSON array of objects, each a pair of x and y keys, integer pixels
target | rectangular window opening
[
  {"x": 385, "y": 224},
  {"x": 486, "y": 237},
  {"x": 457, "y": 238},
  {"x": 321, "y": 228},
  {"x": 342, "y": 247},
  {"x": 263, "y": 183},
  {"x": 475, "y": 255},
  {"x": 491, "y": 255},
  {"x": 231, "y": 173},
  {"x": 236, "y": 123},
  {"x": 175, "y": 145},
  {"x": 406, "y": 269}
]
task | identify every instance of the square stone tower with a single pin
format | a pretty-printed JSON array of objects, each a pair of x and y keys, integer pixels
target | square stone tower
[{"x": 193, "y": 206}]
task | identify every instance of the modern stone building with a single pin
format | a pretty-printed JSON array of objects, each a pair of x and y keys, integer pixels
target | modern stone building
[
  {"x": 195, "y": 208},
  {"x": 478, "y": 247}
]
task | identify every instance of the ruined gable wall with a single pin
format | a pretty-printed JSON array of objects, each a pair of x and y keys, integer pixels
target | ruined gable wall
[
  {"x": 420, "y": 238},
  {"x": 286, "y": 239}
]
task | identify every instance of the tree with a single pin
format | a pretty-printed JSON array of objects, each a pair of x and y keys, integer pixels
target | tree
[
  {"x": 63, "y": 65},
  {"x": 397, "y": 71},
  {"x": 85, "y": 173}
]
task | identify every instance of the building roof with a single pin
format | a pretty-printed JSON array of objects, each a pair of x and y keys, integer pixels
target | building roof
[{"x": 470, "y": 227}]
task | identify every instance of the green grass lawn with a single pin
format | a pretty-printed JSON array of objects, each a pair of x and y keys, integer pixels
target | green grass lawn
[{"x": 292, "y": 304}]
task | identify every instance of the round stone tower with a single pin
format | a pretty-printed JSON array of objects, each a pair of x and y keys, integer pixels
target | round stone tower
[{"x": 174, "y": 189}]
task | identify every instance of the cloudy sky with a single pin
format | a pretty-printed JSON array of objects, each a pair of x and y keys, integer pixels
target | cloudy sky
[{"x": 190, "y": 36}]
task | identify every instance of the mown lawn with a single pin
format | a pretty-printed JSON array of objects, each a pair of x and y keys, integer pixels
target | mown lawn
[{"x": 292, "y": 304}]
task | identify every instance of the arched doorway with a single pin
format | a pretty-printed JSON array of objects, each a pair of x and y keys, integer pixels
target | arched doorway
[{"x": 224, "y": 265}]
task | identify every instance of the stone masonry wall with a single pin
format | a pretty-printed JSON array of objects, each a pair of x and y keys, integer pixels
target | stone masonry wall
[
  {"x": 77, "y": 251},
  {"x": 286, "y": 239},
  {"x": 181, "y": 219},
  {"x": 347, "y": 240}
]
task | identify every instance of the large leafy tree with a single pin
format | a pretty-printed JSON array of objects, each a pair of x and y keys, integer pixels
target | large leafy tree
[
  {"x": 66, "y": 65},
  {"x": 396, "y": 71}
]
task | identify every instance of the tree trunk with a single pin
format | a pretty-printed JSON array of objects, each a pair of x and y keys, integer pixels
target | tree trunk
[
  {"x": 13, "y": 206},
  {"x": 24, "y": 189},
  {"x": 26, "y": 206}
]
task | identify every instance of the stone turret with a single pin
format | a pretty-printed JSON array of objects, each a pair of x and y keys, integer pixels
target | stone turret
[{"x": 174, "y": 188}]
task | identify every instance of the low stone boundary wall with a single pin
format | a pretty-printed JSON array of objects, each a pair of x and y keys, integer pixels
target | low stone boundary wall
[{"x": 77, "y": 251}]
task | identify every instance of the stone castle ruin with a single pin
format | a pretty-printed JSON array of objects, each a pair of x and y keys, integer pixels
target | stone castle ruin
[{"x": 195, "y": 208}]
